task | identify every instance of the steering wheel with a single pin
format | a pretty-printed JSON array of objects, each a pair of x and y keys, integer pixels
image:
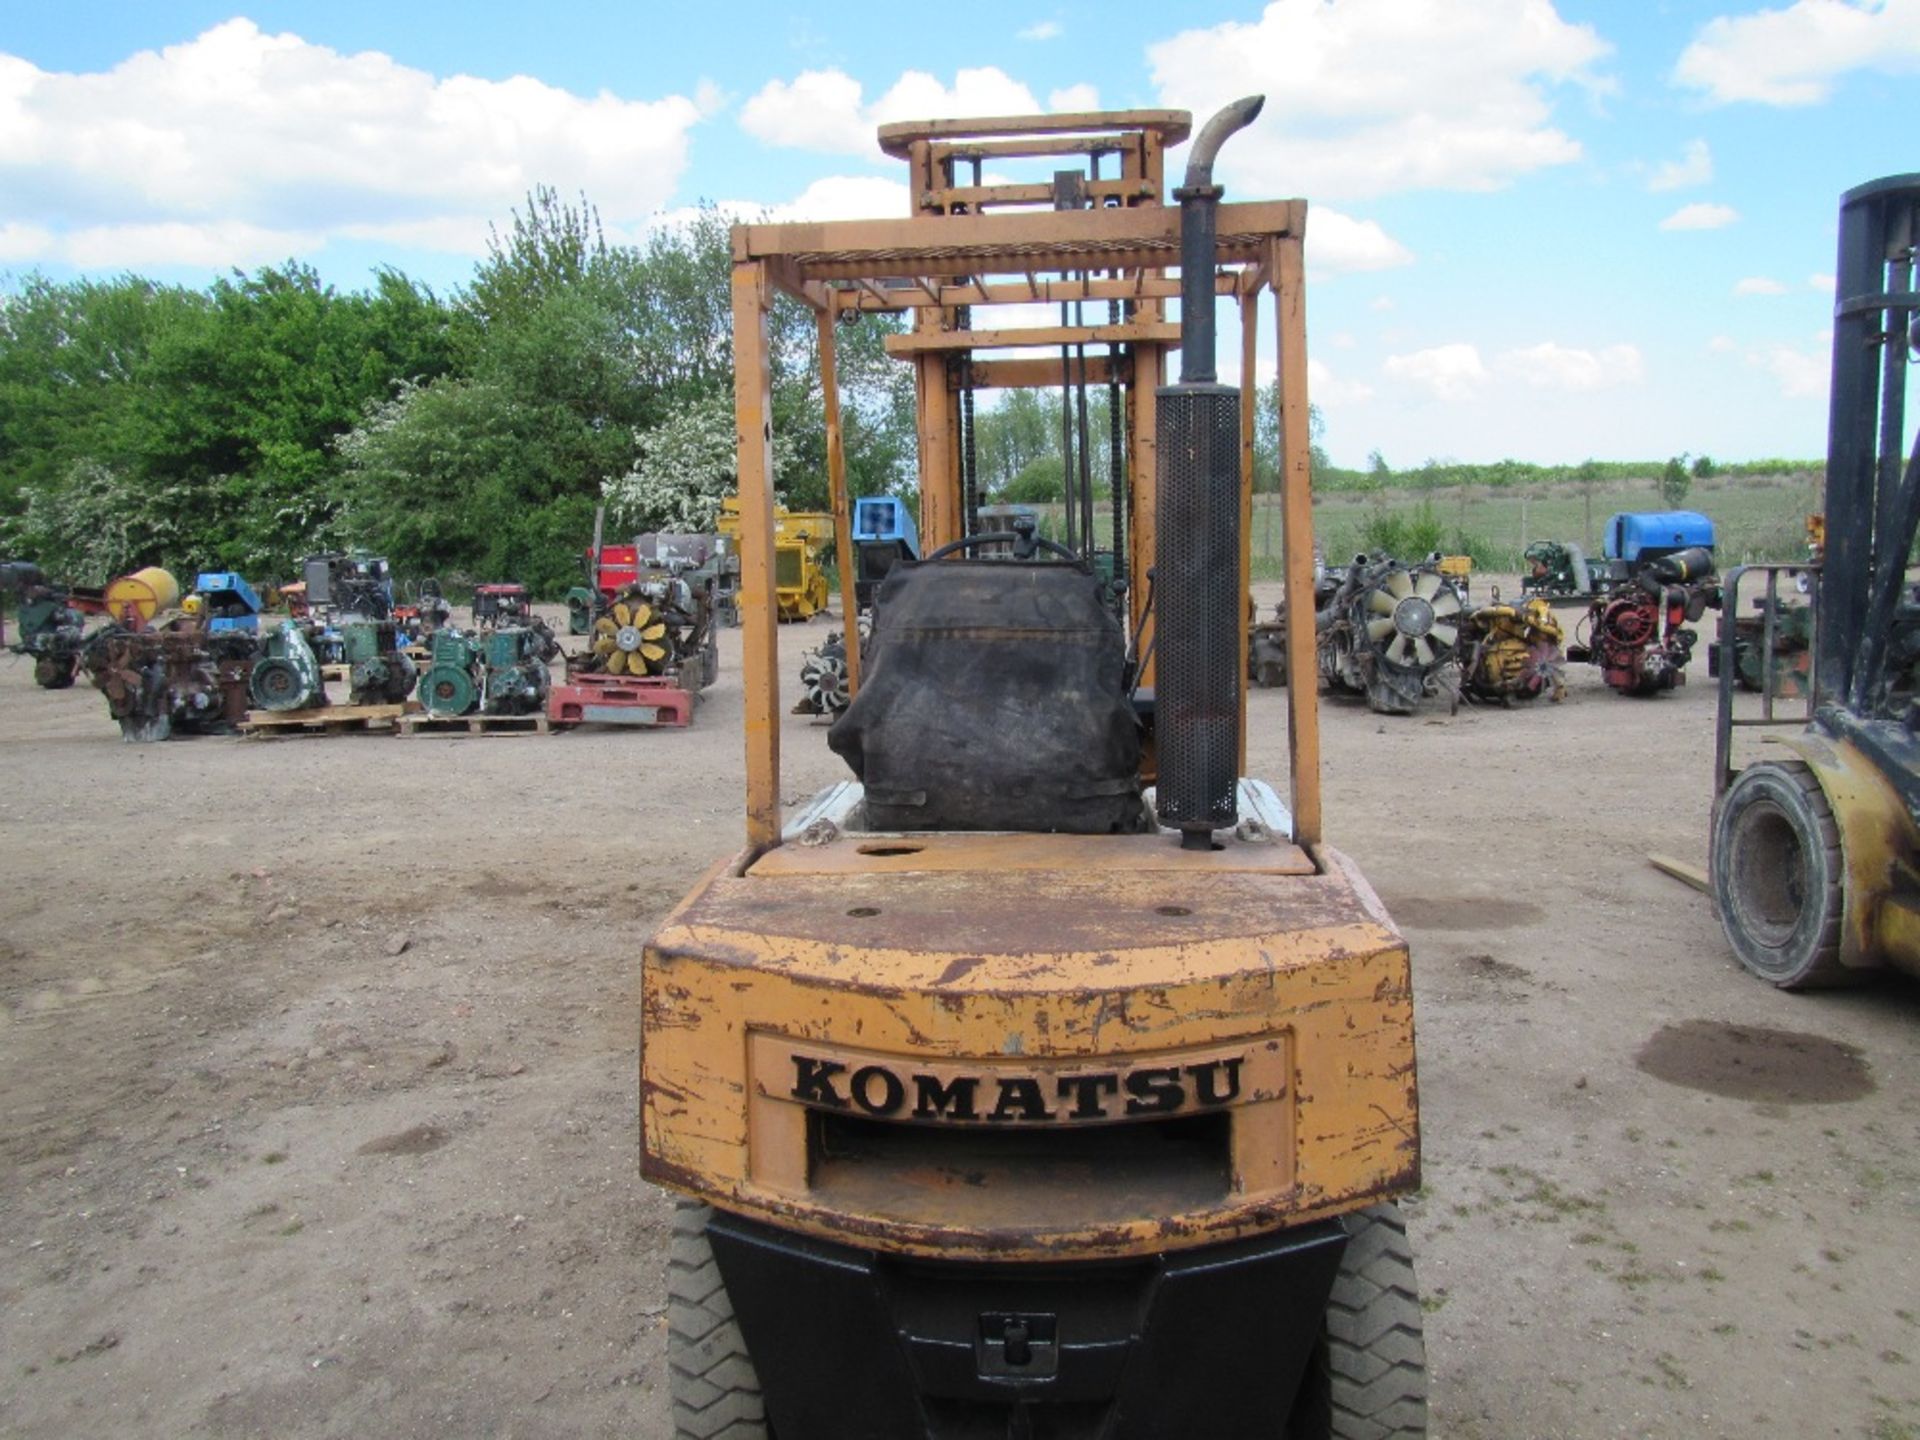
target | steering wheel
[{"x": 1023, "y": 541}]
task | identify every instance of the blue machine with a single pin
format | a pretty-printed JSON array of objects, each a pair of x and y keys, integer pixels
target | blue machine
[
  {"x": 1648, "y": 535},
  {"x": 232, "y": 605},
  {"x": 882, "y": 517},
  {"x": 883, "y": 535}
]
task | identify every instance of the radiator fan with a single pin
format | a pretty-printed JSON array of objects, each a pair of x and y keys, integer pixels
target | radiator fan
[
  {"x": 628, "y": 638},
  {"x": 1413, "y": 619}
]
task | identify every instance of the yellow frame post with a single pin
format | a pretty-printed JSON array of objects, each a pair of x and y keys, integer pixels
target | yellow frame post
[
  {"x": 1249, "y": 393},
  {"x": 837, "y": 490},
  {"x": 759, "y": 607},
  {"x": 1296, "y": 489}
]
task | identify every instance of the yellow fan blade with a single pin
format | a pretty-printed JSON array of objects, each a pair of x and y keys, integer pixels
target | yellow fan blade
[
  {"x": 603, "y": 645},
  {"x": 642, "y": 613},
  {"x": 604, "y": 626},
  {"x": 654, "y": 652},
  {"x": 654, "y": 631}
]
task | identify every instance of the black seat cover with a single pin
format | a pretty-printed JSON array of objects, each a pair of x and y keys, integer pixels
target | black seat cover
[{"x": 994, "y": 699}]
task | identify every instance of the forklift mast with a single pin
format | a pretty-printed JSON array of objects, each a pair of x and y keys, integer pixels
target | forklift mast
[{"x": 1873, "y": 484}]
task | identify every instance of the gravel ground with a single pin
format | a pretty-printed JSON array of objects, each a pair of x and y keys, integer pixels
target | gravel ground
[{"x": 319, "y": 1055}]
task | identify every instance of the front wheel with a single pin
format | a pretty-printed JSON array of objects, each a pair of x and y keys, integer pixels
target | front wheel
[
  {"x": 1367, "y": 1379},
  {"x": 716, "y": 1391},
  {"x": 1778, "y": 875}
]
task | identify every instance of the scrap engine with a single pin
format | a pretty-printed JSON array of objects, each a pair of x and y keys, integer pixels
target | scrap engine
[
  {"x": 1388, "y": 631},
  {"x": 1640, "y": 634}
]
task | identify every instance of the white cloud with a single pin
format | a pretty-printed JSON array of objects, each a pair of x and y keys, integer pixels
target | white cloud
[
  {"x": 832, "y": 197},
  {"x": 1043, "y": 30},
  {"x": 1330, "y": 390},
  {"x": 24, "y": 242},
  {"x": 1801, "y": 374},
  {"x": 1758, "y": 285},
  {"x": 826, "y": 110},
  {"x": 1380, "y": 304},
  {"x": 1694, "y": 167},
  {"x": 816, "y": 110},
  {"x": 847, "y": 197},
  {"x": 1447, "y": 372},
  {"x": 211, "y": 244},
  {"x": 1549, "y": 366},
  {"x": 1702, "y": 215},
  {"x": 1368, "y": 97},
  {"x": 207, "y": 151},
  {"x": 1794, "y": 55},
  {"x": 1820, "y": 282},
  {"x": 1073, "y": 98},
  {"x": 1338, "y": 244}
]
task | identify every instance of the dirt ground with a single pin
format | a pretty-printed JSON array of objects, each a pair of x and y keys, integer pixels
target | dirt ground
[{"x": 318, "y": 1068}]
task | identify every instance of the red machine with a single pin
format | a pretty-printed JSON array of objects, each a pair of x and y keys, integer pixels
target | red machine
[{"x": 588, "y": 699}]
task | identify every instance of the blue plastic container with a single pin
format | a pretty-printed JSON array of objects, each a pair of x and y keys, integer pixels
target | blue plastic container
[
  {"x": 1647, "y": 535},
  {"x": 882, "y": 517}
]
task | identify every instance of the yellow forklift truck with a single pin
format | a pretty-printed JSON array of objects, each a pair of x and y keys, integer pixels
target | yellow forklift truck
[
  {"x": 1814, "y": 857},
  {"x": 1048, "y": 1078}
]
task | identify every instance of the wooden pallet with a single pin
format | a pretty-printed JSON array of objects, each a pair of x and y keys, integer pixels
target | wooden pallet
[
  {"x": 423, "y": 724},
  {"x": 326, "y": 720}
]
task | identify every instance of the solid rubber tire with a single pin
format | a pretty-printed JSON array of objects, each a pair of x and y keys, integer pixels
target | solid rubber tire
[
  {"x": 1367, "y": 1378},
  {"x": 1766, "y": 804},
  {"x": 715, "y": 1389}
]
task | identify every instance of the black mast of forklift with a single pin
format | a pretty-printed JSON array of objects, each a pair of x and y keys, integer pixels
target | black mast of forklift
[{"x": 1873, "y": 498}]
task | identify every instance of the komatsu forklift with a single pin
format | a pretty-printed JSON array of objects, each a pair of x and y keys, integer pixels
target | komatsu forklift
[
  {"x": 1048, "y": 1078},
  {"x": 1815, "y": 857}
]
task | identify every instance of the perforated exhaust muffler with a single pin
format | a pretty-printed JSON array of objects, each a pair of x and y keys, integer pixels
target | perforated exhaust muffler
[{"x": 1198, "y": 587}]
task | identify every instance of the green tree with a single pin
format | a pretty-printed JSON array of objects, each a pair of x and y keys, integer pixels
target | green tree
[{"x": 1675, "y": 482}]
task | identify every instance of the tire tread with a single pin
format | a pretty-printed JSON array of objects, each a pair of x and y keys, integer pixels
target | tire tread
[{"x": 715, "y": 1389}]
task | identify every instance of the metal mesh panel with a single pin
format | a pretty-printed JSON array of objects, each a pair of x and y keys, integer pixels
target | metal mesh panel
[
  {"x": 786, "y": 567},
  {"x": 1198, "y": 593}
]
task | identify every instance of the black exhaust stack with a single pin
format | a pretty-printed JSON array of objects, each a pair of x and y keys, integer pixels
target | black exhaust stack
[{"x": 1197, "y": 552}]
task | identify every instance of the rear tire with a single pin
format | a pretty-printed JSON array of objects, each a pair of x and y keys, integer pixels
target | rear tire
[
  {"x": 1778, "y": 875},
  {"x": 716, "y": 1392},
  {"x": 1367, "y": 1379}
]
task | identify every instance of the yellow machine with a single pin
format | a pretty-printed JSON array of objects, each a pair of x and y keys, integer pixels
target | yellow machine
[
  {"x": 1052, "y": 1078},
  {"x": 1512, "y": 652},
  {"x": 1815, "y": 859},
  {"x": 800, "y": 539}
]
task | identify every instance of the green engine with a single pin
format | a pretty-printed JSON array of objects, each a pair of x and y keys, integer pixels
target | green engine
[
  {"x": 514, "y": 660},
  {"x": 287, "y": 677},
  {"x": 378, "y": 672},
  {"x": 449, "y": 686}
]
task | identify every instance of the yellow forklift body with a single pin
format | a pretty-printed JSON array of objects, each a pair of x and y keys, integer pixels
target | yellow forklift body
[
  {"x": 1880, "y": 915},
  {"x": 942, "y": 1044}
]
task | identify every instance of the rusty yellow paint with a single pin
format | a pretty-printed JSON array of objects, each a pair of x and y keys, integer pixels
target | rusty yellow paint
[
  {"x": 1249, "y": 412},
  {"x": 760, "y": 645},
  {"x": 837, "y": 490},
  {"x": 1047, "y": 969},
  {"x": 1296, "y": 491},
  {"x": 922, "y": 852},
  {"x": 1049, "y": 972},
  {"x": 1878, "y": 844}
]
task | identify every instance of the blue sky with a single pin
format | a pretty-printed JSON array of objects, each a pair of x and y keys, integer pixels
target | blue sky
[{"x": 1544, "y": 229}]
